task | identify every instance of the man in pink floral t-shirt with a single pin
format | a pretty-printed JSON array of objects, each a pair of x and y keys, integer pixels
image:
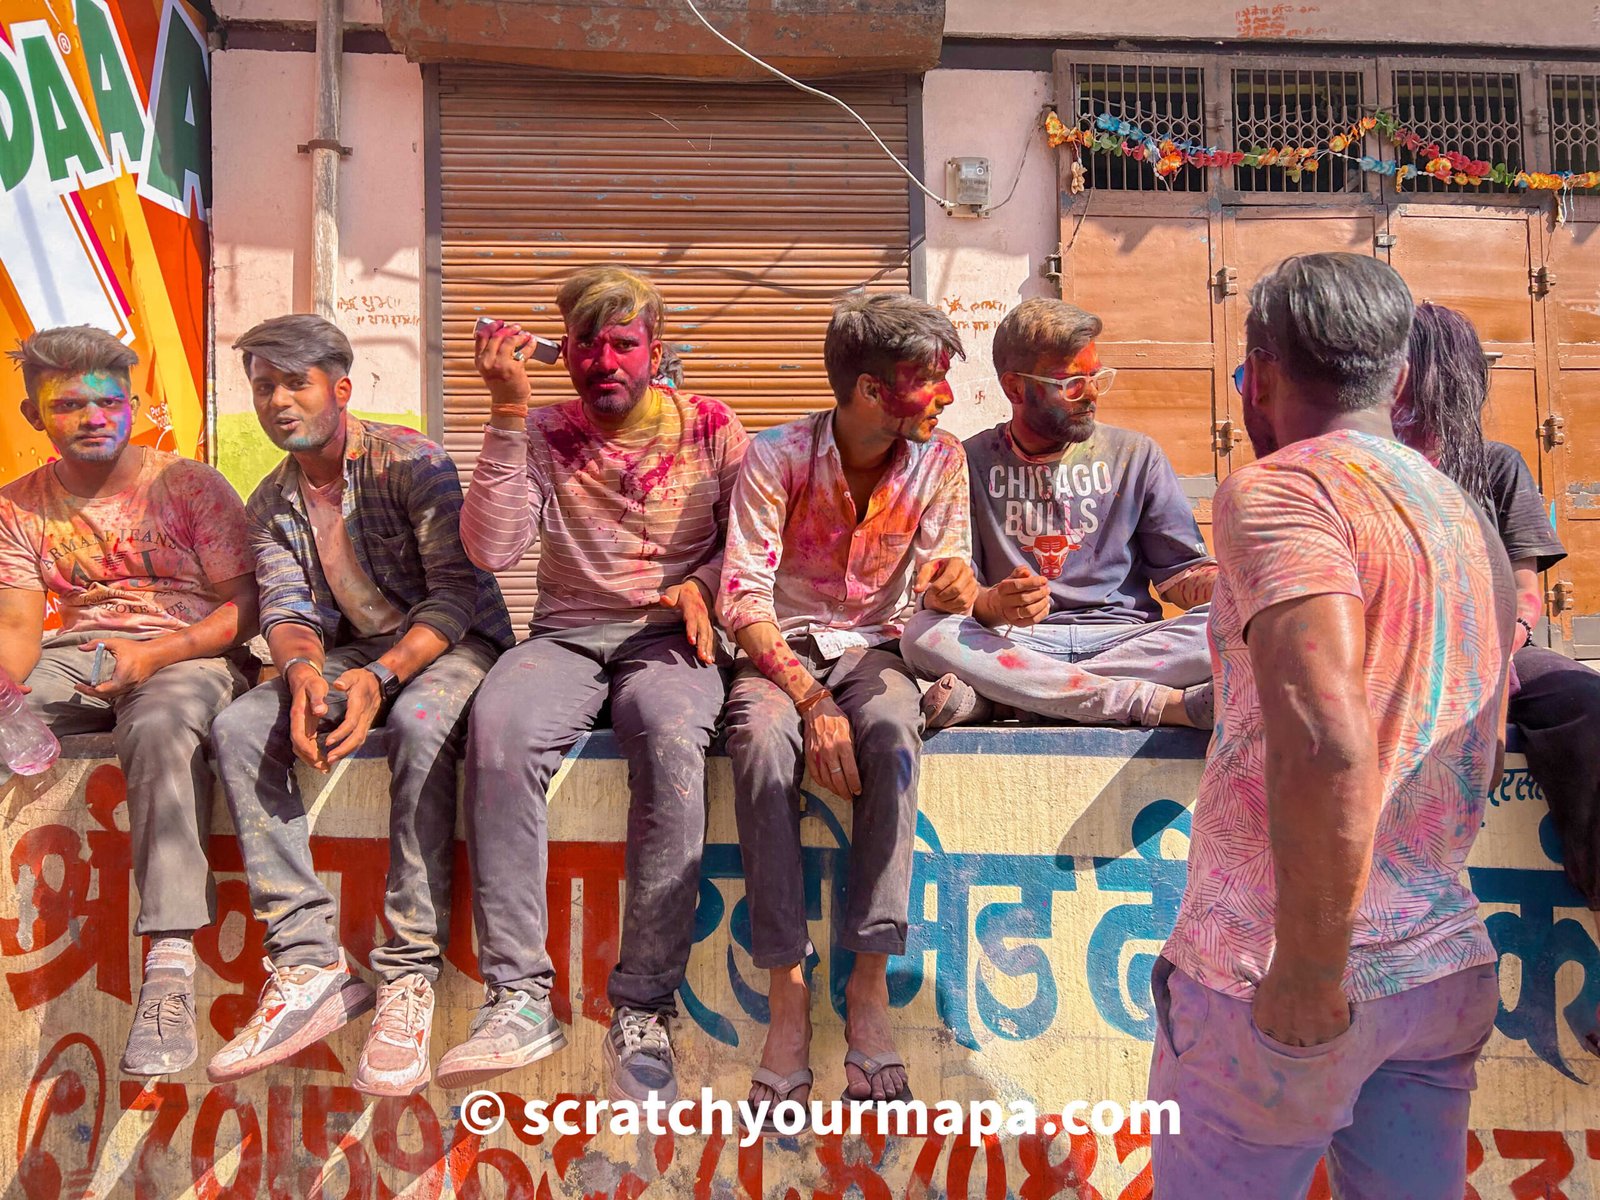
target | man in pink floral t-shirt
[
  {"x": 1329, "y": 984},
  {"x": 145, "y": 553}
]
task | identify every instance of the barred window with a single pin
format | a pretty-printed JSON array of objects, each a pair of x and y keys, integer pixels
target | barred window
[
  {"x": 1476, "y": 113},
  {"x": 1575, "y": 123},
  {"x": 1275, "y": 109},
  {"x": 1166, "y": 102}
]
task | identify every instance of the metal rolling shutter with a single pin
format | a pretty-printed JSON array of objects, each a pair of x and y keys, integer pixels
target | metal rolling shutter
[{"x": 752, "y": 206}]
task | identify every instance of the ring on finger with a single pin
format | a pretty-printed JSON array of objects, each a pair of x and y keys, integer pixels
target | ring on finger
[{"x": 517, "y": 355}]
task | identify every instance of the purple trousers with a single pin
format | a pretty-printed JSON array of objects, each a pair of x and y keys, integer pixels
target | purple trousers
[{"x": 1386, "y": 1101}]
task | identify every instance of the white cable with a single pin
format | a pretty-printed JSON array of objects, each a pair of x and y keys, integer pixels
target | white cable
[{"x": 805, "y": 87}]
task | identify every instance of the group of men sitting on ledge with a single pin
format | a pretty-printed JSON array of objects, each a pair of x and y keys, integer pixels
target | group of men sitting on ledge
[{"x": 827, "y": 594}]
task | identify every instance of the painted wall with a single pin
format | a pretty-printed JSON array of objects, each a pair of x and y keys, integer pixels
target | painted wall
[
  {"x": 356, "y": 12},
  {"x": 1560, "y": 25},
  {"x": 104, "y": 199},
  {"x": 264, "y": 104},
  {"x": 1028, "y": 979},
  {"x": 977, "y": 270}
]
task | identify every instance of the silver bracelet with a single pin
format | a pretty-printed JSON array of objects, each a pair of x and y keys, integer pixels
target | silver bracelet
[{"x": 295, "y": 661}]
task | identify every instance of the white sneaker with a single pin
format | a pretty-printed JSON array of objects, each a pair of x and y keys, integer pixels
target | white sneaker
[
  {"x": 394, "y": 1062},
  {"x": 299, "y": 1006}
]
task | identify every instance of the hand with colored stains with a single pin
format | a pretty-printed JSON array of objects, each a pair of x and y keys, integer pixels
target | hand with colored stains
[
  {"x": 494, "y": 353},
  {"x": 947, "y": 585},
  {"x": 693, "y": 604},
  {"x": 830, "y": 749},
  {"x": 365, "y": 699},
  {"x": 1301, "y": 1008},
  {"x": 307, "y": 706},
  {"x": 134, "y": 662},
  {"x": 1021, "y": 598}
]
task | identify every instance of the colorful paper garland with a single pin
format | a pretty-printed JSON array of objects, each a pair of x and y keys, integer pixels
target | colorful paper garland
[{"x": 1109, "y": 134}]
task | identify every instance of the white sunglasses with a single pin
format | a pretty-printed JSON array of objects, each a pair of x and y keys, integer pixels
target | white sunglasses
[{"x": 1072, "y": 386}]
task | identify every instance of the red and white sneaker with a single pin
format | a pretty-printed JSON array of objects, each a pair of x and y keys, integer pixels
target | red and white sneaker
[
  {"x": 299, "y": 1006},
  {"x": 394, "y": 1062}
]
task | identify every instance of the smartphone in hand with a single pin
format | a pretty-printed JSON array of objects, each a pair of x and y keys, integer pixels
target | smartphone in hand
[
  {"x": 97, "y": 669},
  {"x": 542, "y": 349}
]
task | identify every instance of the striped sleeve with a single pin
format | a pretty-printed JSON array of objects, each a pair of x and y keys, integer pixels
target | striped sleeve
[{"x": 497, "y": 522}]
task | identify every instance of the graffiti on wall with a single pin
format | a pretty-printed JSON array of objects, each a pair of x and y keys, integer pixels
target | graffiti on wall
[
  {"x": 1048, "y": 953},
  {"x": 104, "y": 194}
]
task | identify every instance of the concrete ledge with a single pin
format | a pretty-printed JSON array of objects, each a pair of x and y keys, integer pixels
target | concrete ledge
[{"x": 1049, "y": 868}]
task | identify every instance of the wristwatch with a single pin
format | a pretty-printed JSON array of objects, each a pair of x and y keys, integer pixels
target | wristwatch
[{"x": 388, "y": 681}]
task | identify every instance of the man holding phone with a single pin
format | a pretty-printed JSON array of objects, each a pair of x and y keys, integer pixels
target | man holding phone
[
  {"x": 373, "y": 614},
  {"x": 625, "y": 488},
  {"x": 146, "y": 556}
]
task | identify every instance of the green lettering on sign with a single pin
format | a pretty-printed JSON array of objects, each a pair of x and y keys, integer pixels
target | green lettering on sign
[
  {"x": 63, "y": 132},
  {"x": 16, "y": 126},
  {"x": 180, "y": 117},
  {"x": 116, "y": 99}
]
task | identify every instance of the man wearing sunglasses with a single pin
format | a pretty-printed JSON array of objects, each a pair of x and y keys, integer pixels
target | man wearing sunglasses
[{"x": 1074, "y": 523}]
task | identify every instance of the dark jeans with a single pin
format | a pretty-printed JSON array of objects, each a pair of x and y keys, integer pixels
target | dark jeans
[
  {"x": 1558, "y": 711},
  {"x": 879, "y": 694},
  {"x": 426, "y": 728},
  {"x": 540, "y": 698}
]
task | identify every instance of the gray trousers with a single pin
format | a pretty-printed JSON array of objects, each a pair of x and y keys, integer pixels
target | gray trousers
[
  {"x": 426, "y": 728},
  {"x": 540, "y": 698},
  {"x": 877, "y": 691},
  {"x": 161, "y": 728},
  {"x": 1092, "y": 674}
]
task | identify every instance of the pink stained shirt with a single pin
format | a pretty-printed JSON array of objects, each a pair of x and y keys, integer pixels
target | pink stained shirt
[
  {"x": 619, "y": 517},
  {"x": 144, "y": 561},
  {"x": 796, "y": 557},
  {"x": 1355, "y": 514}
]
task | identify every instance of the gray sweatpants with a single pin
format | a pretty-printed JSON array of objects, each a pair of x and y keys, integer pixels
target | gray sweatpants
[
  {"x": 877, "y": 691},
  {"x": 161, "y": 728},
  {"x": 426, "y": 728},
  {"x": 1092, "y": 674},
  {"x": 540, "y": 698}
]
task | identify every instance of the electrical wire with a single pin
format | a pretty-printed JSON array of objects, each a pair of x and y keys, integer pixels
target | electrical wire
[
  {"x": 1027, "y": 146},
  {"x": 805, "y": 87}
]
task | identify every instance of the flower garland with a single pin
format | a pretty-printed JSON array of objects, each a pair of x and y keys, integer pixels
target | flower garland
[{"x": 1109, "y": 134}]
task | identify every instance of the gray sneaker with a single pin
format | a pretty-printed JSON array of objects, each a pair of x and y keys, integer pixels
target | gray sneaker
[
  {"x": 162, "y": 1039},
  {"x": 639, "y": 1057},
  {"x": 511, "y": 1030}
]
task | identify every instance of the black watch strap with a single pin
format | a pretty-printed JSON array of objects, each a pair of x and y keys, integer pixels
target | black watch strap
[{"x": 388, "y": 681}]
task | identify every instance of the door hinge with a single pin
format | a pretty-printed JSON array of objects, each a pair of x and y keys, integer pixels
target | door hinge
[
  {"x": 1051, "y": 268},
  {"x": 1224, "y": 437},
  {"x": 1553, "y": 430},
  {"x": 1226, "y": 280},
  {"x": 1561, "y": 598},
  {"x": 1541, "y": 280},
  {"x": 1384, "y": 241}
]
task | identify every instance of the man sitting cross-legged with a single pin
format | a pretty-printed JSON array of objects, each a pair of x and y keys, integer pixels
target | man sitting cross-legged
[
  {"x": 625, "y": 488},
  {"x": 839, "y": 522},
  {"x": 1074, "y": 522}
]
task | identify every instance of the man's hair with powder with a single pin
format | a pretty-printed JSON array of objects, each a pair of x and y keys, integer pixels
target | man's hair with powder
[
  {"x": 872, "y": 334},
  {"x": 599, "y": 296},
  {"x": 1338, "y": 323},
  {"x": 70, "y": 350},
  {"x": 296, "y": 343},
  {"x": 1041, "y": 328}
]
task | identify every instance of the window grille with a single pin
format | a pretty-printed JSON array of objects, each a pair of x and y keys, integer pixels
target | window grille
[
  {"x": 1274, "y": 109},
  {"x": 1575, "y": 124},
  {"x": 1475, "y": 113},
  {"x": 1166, "y": 102}
]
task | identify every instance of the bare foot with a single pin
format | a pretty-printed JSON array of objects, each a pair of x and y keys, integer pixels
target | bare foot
[
  {"x": 867, "y": 1028},
  {"x": 788, "y": 1044}
]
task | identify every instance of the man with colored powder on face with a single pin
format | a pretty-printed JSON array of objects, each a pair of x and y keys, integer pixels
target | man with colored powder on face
[
  {"x": 146, "y": 554},
  {"x": 1075, "y": 522},
  {"x": 1329, "y": 984},
  {"x": 625, "y": 490},
  {"x": 841, "y": 522},
  {"x": 374, "y": 617}
]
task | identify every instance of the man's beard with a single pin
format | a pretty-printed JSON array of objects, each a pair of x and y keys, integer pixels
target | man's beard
[
  {"x": 1059, "y": 426},
  {"x": 618, "y": 404},
  {"x": 310, "y": 437},
  {"x": 1263, "y": 439}
]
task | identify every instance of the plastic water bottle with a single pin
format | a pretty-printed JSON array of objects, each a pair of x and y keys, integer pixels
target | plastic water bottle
[{"x": 26, "y": 744}]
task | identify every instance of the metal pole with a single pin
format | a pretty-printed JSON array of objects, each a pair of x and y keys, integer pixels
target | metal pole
[{"x": 325, "y": 162}]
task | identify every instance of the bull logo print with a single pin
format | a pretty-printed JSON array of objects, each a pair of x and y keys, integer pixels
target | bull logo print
[{"x": 1051, "y": 549}]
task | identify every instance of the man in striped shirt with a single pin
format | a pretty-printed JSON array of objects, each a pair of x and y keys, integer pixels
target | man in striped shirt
[
  {"x": 373, "y": 614},
  {"x": 625, "y": 489}
]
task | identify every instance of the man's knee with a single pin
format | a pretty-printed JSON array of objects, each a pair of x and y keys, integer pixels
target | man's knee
[
  {"x": 929, "y": 642},
  {"x": 251, "y": 719}
]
